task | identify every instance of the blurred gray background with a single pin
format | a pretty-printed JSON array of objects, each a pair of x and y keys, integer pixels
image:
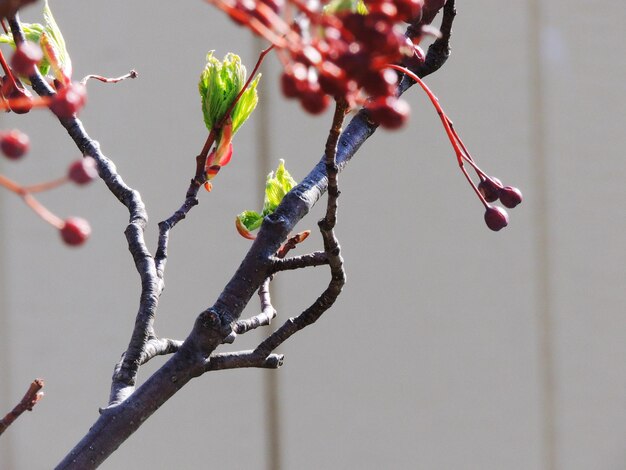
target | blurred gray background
[{"x": 451, "y": 348}]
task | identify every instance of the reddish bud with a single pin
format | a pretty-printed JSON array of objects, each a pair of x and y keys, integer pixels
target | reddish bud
[
  {"x": 496, "y": 218},
  {"x": 83, "y": 171},
  {"x": 14, "y": 144},
  {"x": 510, "y": 197},
  {"x": 25, "y": 58},
  {"x": 75, "y": 231}
]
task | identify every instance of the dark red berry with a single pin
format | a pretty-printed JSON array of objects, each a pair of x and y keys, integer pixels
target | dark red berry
[
  {"x": 409, "y": 10},
  {"x": 380, "y": 82},
  {"x": 83, "y": 171},
  {"x": 294, "y": 80},
  {"x": 510, "y": 197},
  {"x": 314, "y": 100},
  {"x": 496, "y": 218},
  {"x": 14, "y": 144},
  {"x": 69, "y": 100},
  {"x": 75, "y": 231},
  {"x": 18, "y": 98},
  {"x": 25, "y": 58},
  {"x": 490, "y": 188},
  {"x": 390, "y": 112},
  {"x": 333, "y": 80}
]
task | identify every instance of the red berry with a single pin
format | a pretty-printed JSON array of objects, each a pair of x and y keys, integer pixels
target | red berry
[
  {"x": 490, "y": 188},
  {"x": 314, "y": 100},
  {"x": 390, "y": 112},
  {"x": 510, "y": 197},
  {"x": 19, "y": 99},
  {"x": 409, "y": 10},
  {"x": 332, "y": 79},
  {"x": 14, "y": 144},
  {"x": 69, "y": 100},
  {"x": 75, "y": 231},
  {"x": 496, "y": 218},
  {"x": 83, "y": 171},
  {"x": 380, "y": 82},
  {"x": 25, "y": 58},
  {"x": 294, "y": 80}
]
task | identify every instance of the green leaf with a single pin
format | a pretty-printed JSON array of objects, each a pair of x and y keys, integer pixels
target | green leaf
[
  {"x": 276, "y": 186},
  {"x": 251, "y": 220},
  {"x": 220, "y": 83},
  {"x": 57, "y": 41}
]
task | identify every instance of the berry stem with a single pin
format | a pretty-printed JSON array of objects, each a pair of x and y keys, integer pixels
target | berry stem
[
  {"x": 7, "y": 70},
  {"x": 11, "y": 185},
  {"x": 31, "y": 202},
  {"x": 41, "y": 187},
  {"x": 38, "y": 102},
  {"x": 42, "y": 212},
  {"x": 455, "y": 140}
]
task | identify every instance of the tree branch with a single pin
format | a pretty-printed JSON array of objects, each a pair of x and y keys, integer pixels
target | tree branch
[
  {"x": 28, "y": 401},
  {"x": 151, "y": 286},
  {"x": 241, "y": 359},
  {"x": 215, "y": 323}
]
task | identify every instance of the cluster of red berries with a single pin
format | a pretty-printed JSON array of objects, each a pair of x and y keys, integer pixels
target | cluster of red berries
[
  {"x": 74, "y": 231},
  {"x": 14, "y": 144},
  {"x": 343, "y": 54}
]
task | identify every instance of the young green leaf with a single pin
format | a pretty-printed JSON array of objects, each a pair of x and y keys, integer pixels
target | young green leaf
[
  {"x": 277, "y": 186},
  {"x": 220, "y": 83}
]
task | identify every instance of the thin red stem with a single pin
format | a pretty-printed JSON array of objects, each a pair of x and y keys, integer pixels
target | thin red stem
[
  {"x": 7, "y": 70},
  {"x": 31, "y": 202},
  {"x": 41, "y": 187},
  {"x": 459, "y": 148}
]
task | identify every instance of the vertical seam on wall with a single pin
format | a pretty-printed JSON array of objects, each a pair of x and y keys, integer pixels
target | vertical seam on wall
[
  {"x": 543, "y": 287},
  {"x": 270, "y": 377},
  {"x": 6, "y": 457}
]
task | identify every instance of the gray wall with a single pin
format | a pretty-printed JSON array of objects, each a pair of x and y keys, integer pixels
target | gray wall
[{"x": 452, "y": 347}]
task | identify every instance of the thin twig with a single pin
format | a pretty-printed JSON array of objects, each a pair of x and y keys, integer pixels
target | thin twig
[
  {"x": 131, "y": 74},
  {"x": 332, "y": 249},
  {"x": 237, "y": 360},
  {"x": 268, "y": 313},
  {"x": 28, "y": 401},
  {"x": 318, "y": 258}
]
